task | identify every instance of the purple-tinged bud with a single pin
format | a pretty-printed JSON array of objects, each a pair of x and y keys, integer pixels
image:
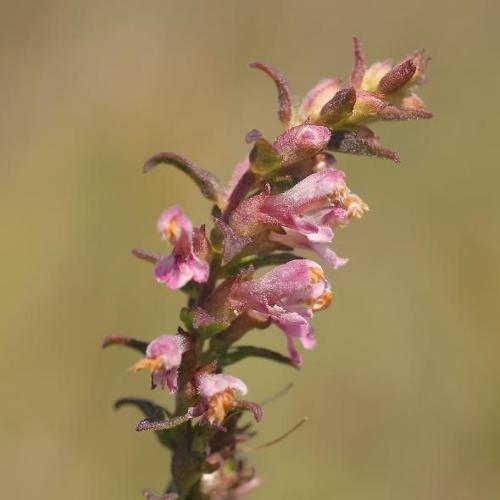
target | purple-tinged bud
[
  {"x": 284, "y": 95},
  {"x": 301, "y": 142},
  {"x": 163, "y": 358},
  {"x": 317, "y": 97},
  {"x": 397, "y": 77},
  {"x": 338, "y": 107}
]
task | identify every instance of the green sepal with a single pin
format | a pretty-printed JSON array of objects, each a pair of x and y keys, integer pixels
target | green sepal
[
  {"x": 186, "y": 316},
  {"x": 264, "y": 157}
]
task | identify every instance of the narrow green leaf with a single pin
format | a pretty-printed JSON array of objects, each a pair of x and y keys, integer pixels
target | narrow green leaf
[
  {"x": 138, "y": 345},
  {"x": 151, "y": 424},
  {"x": 237, "y": 353},
  {"x": 151, "y": 411}
]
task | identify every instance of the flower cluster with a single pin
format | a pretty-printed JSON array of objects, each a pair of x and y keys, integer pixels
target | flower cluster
[{"x": 286, "y": 196}]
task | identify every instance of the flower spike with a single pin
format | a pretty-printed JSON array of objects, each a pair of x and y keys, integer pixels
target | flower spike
[{"x": 247, "y": 272}]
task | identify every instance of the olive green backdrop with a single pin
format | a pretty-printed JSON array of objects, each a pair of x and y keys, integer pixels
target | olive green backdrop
[{"x": 402, "y": 392}]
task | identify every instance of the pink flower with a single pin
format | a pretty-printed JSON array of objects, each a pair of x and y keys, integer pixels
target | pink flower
[
  {"x": 303, "y": 216},
  {"x": 186, "y": 261},
  {"x": 163, "y": 358},
  {"x": 217, "y": 396},
  {"x": 288, "y": 295}
]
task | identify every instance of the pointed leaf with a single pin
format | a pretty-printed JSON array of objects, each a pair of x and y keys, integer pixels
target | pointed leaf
[
  {"x": 251, "y": 406},
  {"x": 396, "y": 113},
  {"x": 354, "y": 141},
  {"x": 152, "y": 257},
  {"x": 284, "y": 95},
  {"x": 152, "y": 424},
  {"x": 152, "y": 411},
  {"x": 208, "y": 183},
  {"x": 237, "y": 353},
  {"x": 138, "y": 345},
  {"x": 359, "y": 69},
  {"x": 148, "y": 408}
]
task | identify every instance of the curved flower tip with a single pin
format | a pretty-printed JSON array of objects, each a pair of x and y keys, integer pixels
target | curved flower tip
[
  {"x": 163, "y": 358},
  {"x": 187, "y": 260}
]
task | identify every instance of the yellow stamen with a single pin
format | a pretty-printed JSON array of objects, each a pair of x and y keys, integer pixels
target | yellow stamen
[
  {"x": 323, "y": 301},
  {"x": 172, "y": 229},
  {"x": 341, "y": 194},
  {"x": 355, "y": 206},
  {"x": 145, "y": 363},
  {"x": 316, "y": 274},
  {"x": 219, "y": 404}
]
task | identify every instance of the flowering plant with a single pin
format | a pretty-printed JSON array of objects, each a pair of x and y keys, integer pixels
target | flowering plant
[{"x": 287, "y": 194}]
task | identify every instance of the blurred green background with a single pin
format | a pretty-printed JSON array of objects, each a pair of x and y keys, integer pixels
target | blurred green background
[{"x": 402, "y": 391}]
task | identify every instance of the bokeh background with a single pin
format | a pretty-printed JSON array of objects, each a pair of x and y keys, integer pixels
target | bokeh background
[{"x": 402, "y": 393}]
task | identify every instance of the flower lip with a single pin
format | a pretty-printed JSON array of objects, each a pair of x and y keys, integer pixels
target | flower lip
[
  {"x": 187, "y": 260},
  {"x": 218, "y": 393},
  {"x": 163, "y": 358},
  {"x": 211, "y": 384}
]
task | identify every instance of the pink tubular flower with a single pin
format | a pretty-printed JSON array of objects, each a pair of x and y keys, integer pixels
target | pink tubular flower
[
  {"x": 217, "y": 396},
  {"x": 163, "y": 358},
  {"x": 303, "y": 216},
  {"x": 288, "y": 295},
  {"x": 186, "y": 262}
]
